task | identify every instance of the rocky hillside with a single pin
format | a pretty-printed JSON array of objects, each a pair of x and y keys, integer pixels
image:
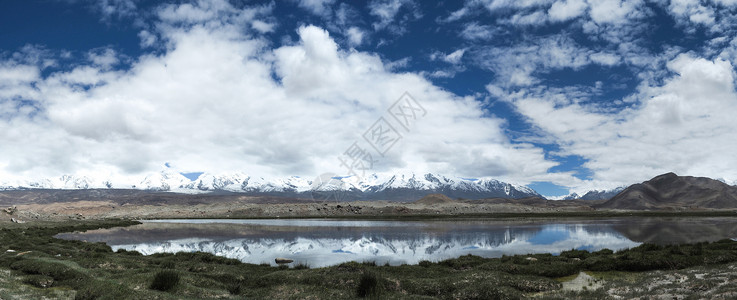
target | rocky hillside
[{"x": 670, "y": 191}]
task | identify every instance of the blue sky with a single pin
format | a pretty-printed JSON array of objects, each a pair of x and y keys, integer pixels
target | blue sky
[{"x": 560, "y": 95}]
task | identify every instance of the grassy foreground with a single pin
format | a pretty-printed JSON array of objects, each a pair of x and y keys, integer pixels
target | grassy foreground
[{"x": 33, "y": 264}]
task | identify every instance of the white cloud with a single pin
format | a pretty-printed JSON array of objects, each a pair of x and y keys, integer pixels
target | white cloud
[
  {"x": 452, "y": 58},
  {"x": 534, "y": 18},
  {"x": 515, "y": 66},
  {"x": 685, "y": 125},
  {"x": 103, "y": 57},
  {"x": 148, "y": 39},
  {"x": 457, "y": 15},
  {"x": 605, "y": 58},
  {"x": 615, "y": 11},
  {"x": 475, "y": 31},
  {"x": 355, "y": 36},
  {"x": 494, "y": 5},
  {"x": 262, "y": 26},
  {"x": 691, "y": 11},
  {"x": 115, "y": 8},
  {"x": 219, "y": 99},
  {"x": 614, "y": 21},
  {"x": 455, "y": 56},
  {"x": 195, "y": 12},
  {"x": 564, "y": 10},
  {"x": 12, "y": 73},
  {"x": 387, "y": 12}
]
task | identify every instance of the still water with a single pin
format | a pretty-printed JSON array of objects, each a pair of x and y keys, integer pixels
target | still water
[{"x": 327, "y": 242}]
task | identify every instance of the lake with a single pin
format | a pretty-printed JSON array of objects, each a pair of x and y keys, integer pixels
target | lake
[{"x": 325, "y": 242}]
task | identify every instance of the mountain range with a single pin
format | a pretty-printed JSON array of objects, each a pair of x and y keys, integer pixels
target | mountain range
[
  {"x": 393, "y": 187},
  {"x": 667, "y": 191},
  {"x": 595, "y": 194}
]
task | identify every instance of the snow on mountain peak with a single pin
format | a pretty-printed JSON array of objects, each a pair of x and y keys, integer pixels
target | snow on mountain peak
[{"x": 386, "y": 186}]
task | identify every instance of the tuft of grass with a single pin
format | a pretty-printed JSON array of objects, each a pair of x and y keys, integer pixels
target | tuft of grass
[
  {"x": 165, "y": 280},
  {"x": 301, "y": 266},
  {"x": 368, "y": 285},
  {"x": 168, "y": 264},
  {"x": 39, "y": 281},
  {"x": 370, "y": 263},
  {"x": 234, "y": 288},
  {"x": 97, "y": 289},
  {"x": 57, "y": 270}
]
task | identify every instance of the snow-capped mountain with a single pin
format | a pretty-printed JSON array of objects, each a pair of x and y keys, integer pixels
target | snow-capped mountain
[
  {"x": 166, "y": 180},
  {"x": 595, "y": 194},
  {"x": 395, "y": 187}
]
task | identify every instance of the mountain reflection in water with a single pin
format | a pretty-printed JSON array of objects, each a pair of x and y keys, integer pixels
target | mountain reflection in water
[{"x": 320, "y": 243}]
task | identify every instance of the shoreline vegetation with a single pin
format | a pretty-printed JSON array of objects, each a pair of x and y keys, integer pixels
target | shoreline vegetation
[{"x": 34, "y": 264}]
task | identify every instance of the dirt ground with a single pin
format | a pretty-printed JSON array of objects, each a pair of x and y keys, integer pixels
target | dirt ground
[{"x": 243, "y": 209}]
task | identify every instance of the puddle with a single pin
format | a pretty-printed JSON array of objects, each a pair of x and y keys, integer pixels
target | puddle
[{"x": 582, "y": 281}]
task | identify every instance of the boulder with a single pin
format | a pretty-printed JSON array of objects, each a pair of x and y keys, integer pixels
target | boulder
[{"x": 280, "y": 260}]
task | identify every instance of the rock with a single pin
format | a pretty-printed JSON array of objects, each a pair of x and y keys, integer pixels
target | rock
[
  {"x": 14, "y": 220},
  {"x": 531, "y": 259},
  {"x": 280, "y": 260}
]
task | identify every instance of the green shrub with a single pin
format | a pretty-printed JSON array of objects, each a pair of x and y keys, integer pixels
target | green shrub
[
  {"x": 39, "y": 281},
  {"x": 371, "y": 263},
  {"x": 97, "y": 247},
  {"x": 533, "y": 284},
  {"x": 647, "y": 248},
  {"x": 167, "y": 264},
  {"x": 368, "y": 285},
  {"x": 234, "y": 288},
  {"x": 464, "y": 262},
  {"x": 165, "y": 280},
  {"x": 55, "y": 270},
  {"x": 96, "y": 289},
  {"x": 604, "y": 251},
  {"x": 573, "y": 253},
  {"x": 486, "y": 291},
  {"x": 425, "y": 263},
  {"x": 131, "y": 253}
]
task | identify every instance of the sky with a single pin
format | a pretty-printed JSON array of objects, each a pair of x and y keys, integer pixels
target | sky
[{"x": 560, "y": 95}]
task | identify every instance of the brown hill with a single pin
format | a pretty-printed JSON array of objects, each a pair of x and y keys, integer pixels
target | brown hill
[
  {"x": 435, "y": 199},
  {"x": 670, "y": 191}
]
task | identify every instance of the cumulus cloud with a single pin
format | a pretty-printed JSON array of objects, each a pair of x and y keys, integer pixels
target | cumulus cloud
[{"x": 220, "y": 98}]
